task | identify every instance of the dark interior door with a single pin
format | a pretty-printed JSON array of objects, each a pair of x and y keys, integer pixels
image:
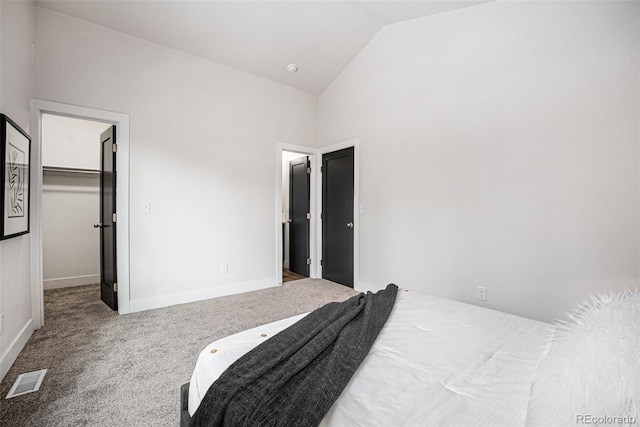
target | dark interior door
[
  {"x": 337, "y": 216},
  {"x": 107, "y": 225},
  {"x": 299, "y": 208}
]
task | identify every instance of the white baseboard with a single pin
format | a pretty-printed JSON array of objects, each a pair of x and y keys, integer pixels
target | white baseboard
[
  {"x": 67, "y": 282},
  {"x": 285, "y": 263},
  {"x": 12, "y": 353},
  {"x": 200, "y": 294}
]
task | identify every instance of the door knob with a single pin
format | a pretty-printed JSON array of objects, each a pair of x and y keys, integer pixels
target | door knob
[
  {"x": 350, "y": 224},
  {"x": 98, "y": 225}
]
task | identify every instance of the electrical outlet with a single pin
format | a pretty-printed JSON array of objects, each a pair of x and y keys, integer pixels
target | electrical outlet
[
  {"x": 481, "y": 293},
  {"x": 224, "y": 268},
  {"x": 1, "y": 323}
]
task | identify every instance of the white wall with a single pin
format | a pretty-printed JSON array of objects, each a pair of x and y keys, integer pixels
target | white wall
[
  {"x": 500, "y": 148},
  {"x": 202, "y": 141},
  {"x": 16, "y": 76},
  {"x": 71, "y": 143},
  {"x": 70, "y": 244}
]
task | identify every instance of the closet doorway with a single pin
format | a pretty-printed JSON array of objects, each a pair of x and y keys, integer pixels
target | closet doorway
[
  {"x": 286, "y": 159},
  {"x": 71, "y": 217},
  {"x": 296, "y": 216}
]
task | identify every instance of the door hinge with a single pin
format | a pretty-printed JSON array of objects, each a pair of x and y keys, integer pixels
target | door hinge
[
  {"x": 321, "y": 169},
  {"x": 308, "y": 215},
  {"x": 320, "y": 215},
  {"x": 308, "y": 261},
  {"x": 309, "y": 170},
  {"x": 115, "y": 148},
  {"x": 115, "y": 217},
  {"x": 320, "y": 262},
  {"x": 115, "y": 287}
]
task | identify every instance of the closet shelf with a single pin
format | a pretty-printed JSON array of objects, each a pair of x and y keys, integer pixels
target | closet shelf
[{"x": 59, "y": 170}]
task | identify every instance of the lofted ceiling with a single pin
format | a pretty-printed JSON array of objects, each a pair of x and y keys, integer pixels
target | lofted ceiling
[{"x": 259, "y": 37}]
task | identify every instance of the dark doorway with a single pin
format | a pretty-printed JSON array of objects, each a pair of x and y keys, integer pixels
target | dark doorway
[
  {"x": 107, "y": 225},
  {"x": 299, "y": 211},
  {"x": 338, "y": 216}
]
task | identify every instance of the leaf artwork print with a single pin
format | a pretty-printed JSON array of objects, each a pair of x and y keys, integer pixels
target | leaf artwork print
[{"x": 15, "y": 181}]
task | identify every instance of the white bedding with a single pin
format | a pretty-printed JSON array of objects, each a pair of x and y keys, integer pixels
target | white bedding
[{"x": 435, "y": 362}]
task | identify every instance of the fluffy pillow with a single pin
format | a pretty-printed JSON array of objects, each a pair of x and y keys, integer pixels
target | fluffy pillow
[{"x": 592, "y": 372}]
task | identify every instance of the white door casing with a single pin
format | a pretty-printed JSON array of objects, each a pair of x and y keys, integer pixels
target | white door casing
[{"x": 38, "y": 108}]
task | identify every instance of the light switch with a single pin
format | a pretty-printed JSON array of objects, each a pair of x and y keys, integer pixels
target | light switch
[{"x": 146, "y": 207}]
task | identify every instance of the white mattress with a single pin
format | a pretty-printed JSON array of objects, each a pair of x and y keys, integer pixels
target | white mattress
[{"x": 435, "y": 362}]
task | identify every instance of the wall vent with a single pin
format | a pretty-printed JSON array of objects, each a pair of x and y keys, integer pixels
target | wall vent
[{"x": 27, "y": 383}]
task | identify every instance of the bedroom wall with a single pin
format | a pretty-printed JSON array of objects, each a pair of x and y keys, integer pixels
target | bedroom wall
[
  {"x": 70, "y": 202},
  {"x": 499, "y": 147},
  {"x": 16, "y": 77},
  {"x": 202, "y": 147}
]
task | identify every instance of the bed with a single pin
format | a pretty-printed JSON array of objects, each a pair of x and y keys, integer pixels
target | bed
[{"x": 439, "y": 362}]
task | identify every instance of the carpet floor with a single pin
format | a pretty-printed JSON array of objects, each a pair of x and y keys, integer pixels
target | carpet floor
[{"x": 111, "y": 370}]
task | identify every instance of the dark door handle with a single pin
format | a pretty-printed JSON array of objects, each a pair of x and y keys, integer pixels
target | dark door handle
[{"x": 98, "y": 225}]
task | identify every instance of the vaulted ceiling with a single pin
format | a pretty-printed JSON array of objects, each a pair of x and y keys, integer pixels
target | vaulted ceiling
[{"x": 259, "y": 37}]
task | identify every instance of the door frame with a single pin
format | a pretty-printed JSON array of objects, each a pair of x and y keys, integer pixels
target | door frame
[
  {"x": 315, "y": 225},
  {"x": 121, "y": 120}
]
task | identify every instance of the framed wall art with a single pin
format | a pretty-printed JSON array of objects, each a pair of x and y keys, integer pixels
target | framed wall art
[{"x": 15, "y": 149}]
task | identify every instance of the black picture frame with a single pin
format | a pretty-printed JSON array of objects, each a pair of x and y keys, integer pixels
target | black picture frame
[{"x": 15, "y": 182}]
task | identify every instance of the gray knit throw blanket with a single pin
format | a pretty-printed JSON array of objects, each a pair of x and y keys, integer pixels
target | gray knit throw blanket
[{"x": 293, "y": 378}]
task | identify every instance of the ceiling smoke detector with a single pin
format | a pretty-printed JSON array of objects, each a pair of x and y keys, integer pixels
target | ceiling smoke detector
[{"x": 292, "y": 68}]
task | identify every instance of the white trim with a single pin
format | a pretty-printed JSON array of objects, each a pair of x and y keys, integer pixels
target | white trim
[
  {"x": 355, "y": 143},
  {"x": 314, "y": 271},
  {"x": 14, "y": 349},
  {"x": 39, "y": 107},
  {"x": 199, "y": 295},
  {"x": 68, "y": 282}
]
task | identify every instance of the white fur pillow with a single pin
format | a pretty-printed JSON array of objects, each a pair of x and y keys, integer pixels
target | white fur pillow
[{"x": 592, "y": 372}]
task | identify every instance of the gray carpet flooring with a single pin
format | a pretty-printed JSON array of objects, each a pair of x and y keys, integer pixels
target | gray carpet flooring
[{"x": 111, "y": 370}]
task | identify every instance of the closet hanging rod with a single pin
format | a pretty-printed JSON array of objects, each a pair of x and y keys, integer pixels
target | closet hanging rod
[{"x": 55, "y": 169}]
